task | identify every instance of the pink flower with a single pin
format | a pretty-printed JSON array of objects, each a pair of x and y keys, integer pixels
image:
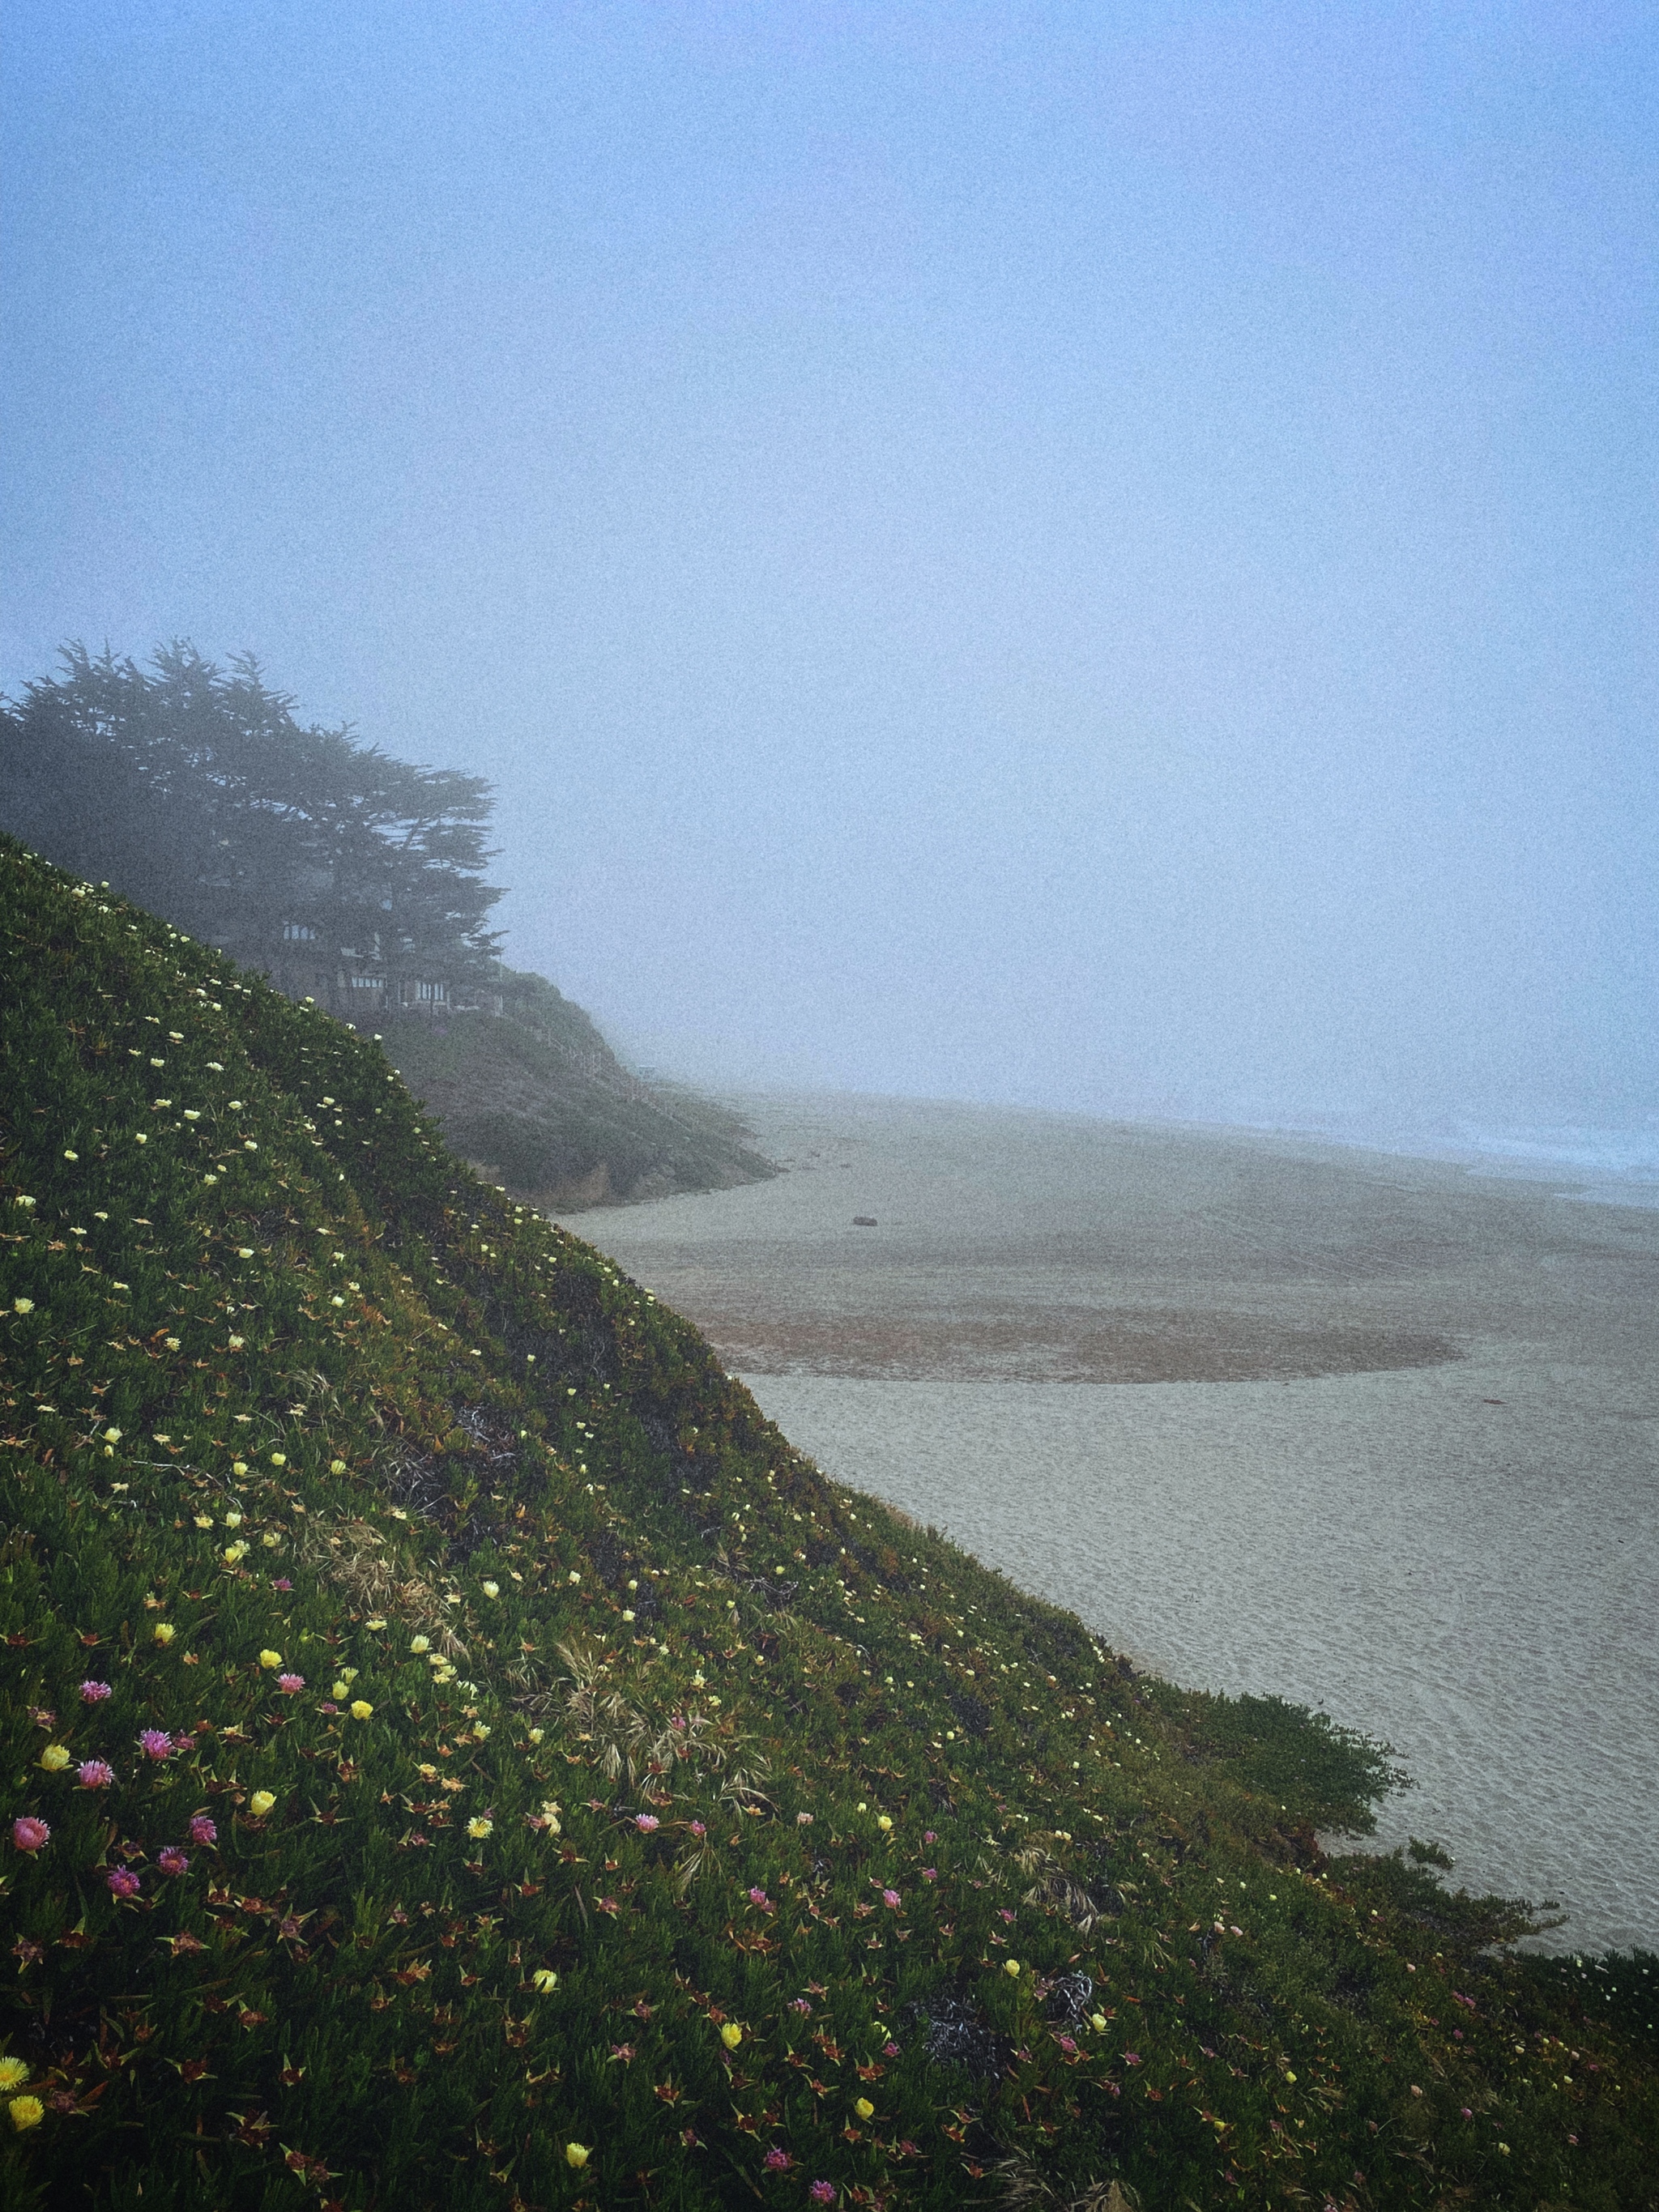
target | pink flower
[
  {"x": 1066, "y": 2043},
  {"x": 929, "y": 1836},
  {"x": 800, "y": 2004},
  {"x": 122, "y": 1881},
  {"x": 1468, "y": 2114},
  {"x": 202, "y": 1829},
  {"x": 30, "y": 1834},
  {"x": 155, "y": 1743},
  {"x": 823, "y": 2192},
  {"x": 698, "y": 1829},
  {"x": 759, "y": 1897},
  {"x": 1006, "y": 1915},
  {"x": 95, "y": 1774},
  {"x": 777, "y": 2160},
  {"x": 646, "y": 1821},
  {"x": 930, "y": 1874},
  {"x": 328, "y": 1706},
  {"x": 95, "y": 1692},
  {"x": 890, "y": 1898},
  {"x": 290, "y": 1685},
  {"x": 890, "y": 2051},
  {"x": 281, "y": 1583},
  {"x": 173, "y": 1861},
  {"x": 1132, "y": 2058}
]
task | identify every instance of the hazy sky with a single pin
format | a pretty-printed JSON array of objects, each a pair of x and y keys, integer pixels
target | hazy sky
[{"x": 1095, "y": 554}]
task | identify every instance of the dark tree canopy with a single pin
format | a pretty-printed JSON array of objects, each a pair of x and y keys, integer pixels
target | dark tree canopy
[{"x": 346, "y": 875}]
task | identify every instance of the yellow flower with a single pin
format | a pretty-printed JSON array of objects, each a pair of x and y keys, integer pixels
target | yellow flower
[
  {"x": 1011, "y": 1966},
  {"x": 576, "y": 2154},
  {"x": 26, "y": 2113},
  {"x": 360, "y": 1708},
  {"x": 479, "y": 1827},
  {"x": 883, "y": 1821},
  {"x": 13, "y": 2075},
  {"x": 1097, "y": 2021},
  {"x": 536, "y": 1734},
  {"x": 377, "y": 1621},
  {"x": 490, "y": 1589},
  {"x": 205, "y": 1520},
  {"x": 260, "y": 1803},
  {"x": 731, "y": 2035},
  {"x": 112, "y": 1436},
  {"x": 23, "y": 1305},
  {"x": 336, "y": 1466},
  {"x": 55, "y": 1758},
  {"x": 236, "y": 1344},
  {"x": 544, "y": 1979},
  {"x": 340, "y": 1690},
  {"x": 164, "y": 1631},
  {"x": 270, "y": 1661},
  {"x": 420, "y": 1643},
  {"x": 279, "y": 1459},
  {"x": 864, "y": 2109}
]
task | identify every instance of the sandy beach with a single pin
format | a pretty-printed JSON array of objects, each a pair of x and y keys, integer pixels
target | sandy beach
[{"x": 1374, "y": 1433}]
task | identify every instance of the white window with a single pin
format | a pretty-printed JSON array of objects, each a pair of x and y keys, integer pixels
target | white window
[
  {"x": 368, "y": 982},
  {"x": 297, "y": 932}
]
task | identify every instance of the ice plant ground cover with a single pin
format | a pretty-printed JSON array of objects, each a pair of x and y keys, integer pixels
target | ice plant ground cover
[{"x": 554, "y": 1792}]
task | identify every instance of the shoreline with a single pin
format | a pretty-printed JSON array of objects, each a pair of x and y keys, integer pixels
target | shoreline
[{"x": 1447, "y": 1550}]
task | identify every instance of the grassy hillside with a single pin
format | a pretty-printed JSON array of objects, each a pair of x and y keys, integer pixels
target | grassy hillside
[
  {"x": 458, "y": 1754},
  {"x": 537, "y": 1100}
]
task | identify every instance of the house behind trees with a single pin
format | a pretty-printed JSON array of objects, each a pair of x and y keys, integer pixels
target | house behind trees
[{"x": 348, "y": 876}]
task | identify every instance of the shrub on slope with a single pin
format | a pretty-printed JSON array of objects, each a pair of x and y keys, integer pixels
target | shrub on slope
[{"x": 459, "y": 1754}]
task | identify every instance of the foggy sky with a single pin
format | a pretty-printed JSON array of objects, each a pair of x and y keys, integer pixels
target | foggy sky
[{"x": 1098, "y": 556}]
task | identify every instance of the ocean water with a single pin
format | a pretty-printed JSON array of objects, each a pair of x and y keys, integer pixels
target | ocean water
[
  {"x": 1377, "y": 1432},
  {"x": 1616, "y": 1166}
]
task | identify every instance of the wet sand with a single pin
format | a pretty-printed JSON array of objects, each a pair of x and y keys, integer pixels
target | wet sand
[{"x": 1373, "y": 1433}]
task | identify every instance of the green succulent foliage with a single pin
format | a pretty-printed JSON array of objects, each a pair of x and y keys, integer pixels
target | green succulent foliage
[{"x": 531, "y": 1783}]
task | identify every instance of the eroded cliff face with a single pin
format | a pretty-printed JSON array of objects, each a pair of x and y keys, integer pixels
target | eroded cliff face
[{"x": 561, "y": 1123}]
